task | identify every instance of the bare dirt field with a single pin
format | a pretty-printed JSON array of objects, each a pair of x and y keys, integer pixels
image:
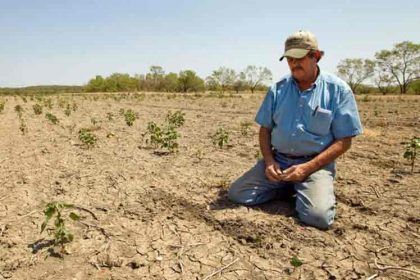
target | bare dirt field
[{"x": 147, "y": 214}]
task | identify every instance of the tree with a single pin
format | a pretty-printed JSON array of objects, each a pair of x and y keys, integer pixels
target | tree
[
  {"x": 170, "y": 82},
  {"x": 155, "y": 78},
  {"x": 240, "y": 82},
  {"x": 120, "y": 82},
  {"x": 355, "y": 70},
  {"x": 189, "y": 81},
  {"x": 382, "y": 80},
  {"x": 402, "y": 62},
  {"x": 222, "y": 78},
  {"x": 255, "y": 76},
  {"x": 96, "y": 85}
]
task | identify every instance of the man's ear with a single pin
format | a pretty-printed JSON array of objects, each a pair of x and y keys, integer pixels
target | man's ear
[{"x": 317, "y": 55}]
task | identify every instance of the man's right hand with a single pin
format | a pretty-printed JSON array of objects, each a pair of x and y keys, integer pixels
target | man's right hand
[{"x": 273, "y": 171}]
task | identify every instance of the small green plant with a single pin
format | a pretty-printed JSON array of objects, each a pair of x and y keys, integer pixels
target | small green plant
[
  {"x": 60, "y": 233},
  {"x": 48, "y": 103},
  {"x": 130, "y": 117},
  {"x": 52, "y": 118},
  {"x": 411, "y": 148},
  {"x": 74, "y": 106},
  {"x": 2, "y": 103},
  {"x": 37, "y": 109},
  {"x": 87, "y": 137},
  {"x": 67, "y": 111},
  {"x": 221, "y": 137},
  {"x": 162, "y": 137},
  {"x": 296, "y": 262},
  {"x": 245, "y": 127},
  {"x": 19, "y": 110},
  {"x": 176, "y": 119},
  {"x": 110, "y": 116},
  {"x": 23, "y": 128}
]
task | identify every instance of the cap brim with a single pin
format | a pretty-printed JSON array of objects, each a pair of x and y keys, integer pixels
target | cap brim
[{"x": 295, "y": 53}]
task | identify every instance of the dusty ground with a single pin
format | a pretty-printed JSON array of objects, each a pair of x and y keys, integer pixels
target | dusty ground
[{"x": 159, "y": 216}]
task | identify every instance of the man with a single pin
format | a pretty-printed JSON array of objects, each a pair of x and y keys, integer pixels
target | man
[{"x": 307, "y": 120}]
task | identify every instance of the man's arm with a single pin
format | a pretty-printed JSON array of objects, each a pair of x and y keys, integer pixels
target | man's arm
[
  {"x": 272, "y": 169},
  {"x": 300, "y": 172}
]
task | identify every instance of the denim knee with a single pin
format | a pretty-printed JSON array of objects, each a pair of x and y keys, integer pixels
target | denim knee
[
  {"x": 242, "y": 196},
  {"x": 318, "y": 217}
]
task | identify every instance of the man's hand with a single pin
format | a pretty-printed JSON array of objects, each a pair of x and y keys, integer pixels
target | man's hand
[
  {"x": 273, "y": 171},
  {"x": 295, "y": 173}
]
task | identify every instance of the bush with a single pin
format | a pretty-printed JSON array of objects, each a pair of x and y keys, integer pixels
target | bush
[
  {"x": 37, "y": 109},
  {"x": 53, "y": 119},
  {"x": 87, "y": 137}
]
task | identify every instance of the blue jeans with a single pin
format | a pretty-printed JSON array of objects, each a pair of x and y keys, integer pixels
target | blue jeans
[{"x": 315, "y": 199}]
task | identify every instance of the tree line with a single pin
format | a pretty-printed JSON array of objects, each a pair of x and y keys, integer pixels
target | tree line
[
  {"x": 395, "y": 70},
  {"x": 223, "y": 79}
]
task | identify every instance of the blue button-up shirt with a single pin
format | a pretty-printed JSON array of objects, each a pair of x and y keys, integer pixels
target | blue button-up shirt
[{"x": 307, "y": 122}]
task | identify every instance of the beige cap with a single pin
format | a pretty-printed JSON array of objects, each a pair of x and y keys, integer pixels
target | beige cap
[{"x": 299, "y": 44}]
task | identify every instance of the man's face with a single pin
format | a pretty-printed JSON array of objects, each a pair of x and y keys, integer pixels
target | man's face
[{"x": 302, "y": 69}]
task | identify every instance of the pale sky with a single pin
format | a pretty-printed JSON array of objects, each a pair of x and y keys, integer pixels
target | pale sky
[{"x": 70, "y": 41}]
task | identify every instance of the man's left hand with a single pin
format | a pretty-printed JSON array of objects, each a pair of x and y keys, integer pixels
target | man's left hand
[{"x": 295, "y": 173}]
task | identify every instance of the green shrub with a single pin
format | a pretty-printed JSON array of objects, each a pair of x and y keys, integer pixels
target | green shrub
[
  {"x": 411, "y": 148},
  {"x": 61, "y": 234},
  {"x": 162, "y": 137},
  {"x": 176, "y": 119},
  {"x": 130, "y": 117},
  {"x": 37, "y": 109},
  {"x": 87, "y": 137},
  {"x": 221, "y": 137},
  {"x": 245, "y": 127},
  {"x": 53, "y": 119}
]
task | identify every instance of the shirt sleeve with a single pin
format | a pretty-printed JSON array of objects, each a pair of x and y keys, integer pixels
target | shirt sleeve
[
  {"x": 264, "y": 116},
  {"x": 346, "y": 121}
]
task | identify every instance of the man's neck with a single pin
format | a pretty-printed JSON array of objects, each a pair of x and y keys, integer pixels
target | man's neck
[{"x": 304, "y": 85}]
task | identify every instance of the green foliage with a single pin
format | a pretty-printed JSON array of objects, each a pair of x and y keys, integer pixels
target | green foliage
[
  {"x": 48, "y": 103},
  {"x": 67, "y": 111},
  {"x": 176, "y": 119},
  {"x": 296, "y": 262},
  {"x": 245, "y": 127},
  {"x": 130, "y": 116},
  {"x": 256, "y": 76},
  {"x": 114, "y": 83},
  {"x": 37, "y": 109},
  {"x": 40, "y": 90},
  {"x": 221, "y": 79},
  {"x": 60, "y": 233},
  {"x": 87, "y": 137},
  {"x": 52, "y": 118},
  {"x": 163, "y": 137},
  {"x": 2, "y": 103},
  {"x": 355, "y": 71},
  {"x": 402, "y": 63},
  {"x": 221, "y": 137},
  {"x": 411, "y": 150},
  {"x": 189, "y": 81},
  {"x": 19, "y": 110}
]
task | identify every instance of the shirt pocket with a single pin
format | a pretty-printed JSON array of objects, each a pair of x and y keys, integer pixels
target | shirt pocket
[{"x": 320, "y": 122}]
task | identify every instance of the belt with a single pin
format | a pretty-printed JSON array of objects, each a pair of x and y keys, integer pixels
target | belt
[{"x": 297, "y": 157}]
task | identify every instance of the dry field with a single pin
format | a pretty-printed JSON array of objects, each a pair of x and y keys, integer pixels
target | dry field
[{"x": 147, "y": 214}]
